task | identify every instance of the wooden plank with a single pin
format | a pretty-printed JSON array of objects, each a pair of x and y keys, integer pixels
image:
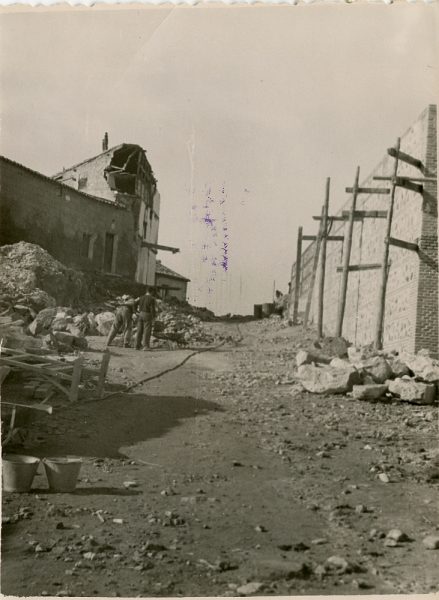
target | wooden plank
[
  {"x": 323, "y": 260},
  {"x": 329, "y": 238},
  {"x": 366, "y": 214},
  {"x": 56, "y": 384},
  {"x": 36, "y": 369},
  {"x": 330, "y": 218},
  {"x": 364, "y": 190},
  {"x": 160, "y": 247},
  {"x": 347, "y": 257},
  {"x": 416, "y": 179},
  {"x": 385, "y": 260},
  {"x": 16, "y": 352},
  {"x": 103, "y": 373},
  {"x": 396, "y": 153},
  {"x": 45, "y": 408},
  {"x": 313, "y": 272},
  {"x": 76, "y": 379},
  {"x": 403, "y": 244},
  {"x": 365, "y": 267},
  {"x": 409, "y": 185},
  {"x": 298, "y": 274}
]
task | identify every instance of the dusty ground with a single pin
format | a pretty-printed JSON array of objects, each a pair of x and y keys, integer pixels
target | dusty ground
[{"x": 240, "y": 478}]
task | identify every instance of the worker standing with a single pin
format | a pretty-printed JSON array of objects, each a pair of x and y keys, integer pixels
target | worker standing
[
  {"x": 145, "y": 320},
  {"x": 123, "y": 321}
]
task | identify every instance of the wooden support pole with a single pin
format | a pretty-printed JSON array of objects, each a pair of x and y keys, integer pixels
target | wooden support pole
[
  {"x": 103, "y": 373},
  {"x": 384, "y": 265},
  {"x": 347, "y": 258},
  {"x": 407, "y": 178},
  {"x": 366, "y": 214},
  {"x": 403, "y": 244},
  {"x": 323, "y": 260},
  {"x": 329, "y": 238},
  {"x": 361, "y": 190},
  {"x": 363, "y": 267},
  {"x": 76, "y": 379},
  {"x": 398, "y": 155},
  {"x": 314, "y": 271},
  {"x": 298, "y": 273}
]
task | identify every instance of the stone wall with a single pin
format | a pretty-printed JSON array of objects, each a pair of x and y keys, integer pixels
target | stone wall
[{"x": 411, "y": 312}]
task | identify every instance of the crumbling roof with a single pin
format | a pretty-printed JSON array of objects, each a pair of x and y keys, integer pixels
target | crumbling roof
[
  {"x": 123, "y": 163},
  {"x": 63, "y": 185},
  {"x": 111, "y": 152},
  {"x": 160, "y": 269},
  {"x": 83, "y": 162}
]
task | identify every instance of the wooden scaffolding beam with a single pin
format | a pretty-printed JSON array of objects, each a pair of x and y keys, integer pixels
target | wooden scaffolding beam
[{"x": 347, "y": 257}]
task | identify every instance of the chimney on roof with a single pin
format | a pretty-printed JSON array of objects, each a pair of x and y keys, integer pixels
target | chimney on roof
[{"x": 105, "y": 142}]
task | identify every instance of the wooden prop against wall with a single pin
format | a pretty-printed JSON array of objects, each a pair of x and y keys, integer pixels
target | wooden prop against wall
[{"x": 413, "y": 184}]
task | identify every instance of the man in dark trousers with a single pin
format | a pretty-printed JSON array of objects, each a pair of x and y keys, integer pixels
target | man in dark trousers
[
  {"x": 145, "y": 319},
  {"x": 123, "y": 321}
]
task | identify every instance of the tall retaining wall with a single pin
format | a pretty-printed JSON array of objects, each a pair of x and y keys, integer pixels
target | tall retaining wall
[{"x": 411, "y": 311}]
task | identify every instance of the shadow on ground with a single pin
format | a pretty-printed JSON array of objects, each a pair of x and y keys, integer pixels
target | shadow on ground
[{"x": 100, "y": 429}]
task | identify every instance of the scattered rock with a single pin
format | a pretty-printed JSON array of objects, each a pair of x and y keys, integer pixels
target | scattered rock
[
  {"x": 272, "y": 570},
  {"x": 319, "y": 541},
  {"x": 249, "y": 588},
  {"x": 397, "y": 535},
  {"x": 410, "y": 390},
  {"x": 431, "y": 542},
  {"x": 338, "y": 564}
]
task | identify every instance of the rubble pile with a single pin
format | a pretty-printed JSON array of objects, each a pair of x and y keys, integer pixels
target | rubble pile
[
  {"x": 44, "y": 304},
  {"x": 203, "y": 313},
  {"x": 368, "y": 374},
  {"x": 184, "y": 329},
  {"x": 32, "y": 279}
]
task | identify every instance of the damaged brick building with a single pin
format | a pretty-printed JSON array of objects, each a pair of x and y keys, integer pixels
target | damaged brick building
[{"x": 101, "y": 214}]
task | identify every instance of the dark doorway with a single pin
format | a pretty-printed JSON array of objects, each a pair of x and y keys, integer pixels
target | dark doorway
[{"x": 108, "y": 254}]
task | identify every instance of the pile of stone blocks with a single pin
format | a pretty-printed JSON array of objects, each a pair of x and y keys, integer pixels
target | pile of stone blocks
[{"x": 367, "y": 374}]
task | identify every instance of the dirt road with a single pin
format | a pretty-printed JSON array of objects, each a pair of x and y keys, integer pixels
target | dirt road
[{"x": 236, "y": 477}]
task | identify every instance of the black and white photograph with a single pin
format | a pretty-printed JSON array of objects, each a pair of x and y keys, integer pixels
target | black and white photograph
[{"x": 219, "y": 288}]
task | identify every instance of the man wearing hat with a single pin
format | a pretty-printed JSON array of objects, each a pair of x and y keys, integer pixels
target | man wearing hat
[{"x": 123, "y": 321}]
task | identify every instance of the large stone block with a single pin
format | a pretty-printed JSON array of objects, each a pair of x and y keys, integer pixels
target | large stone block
[
  {"x": 377, "y": 368},
  {"x": 369, "y": 392},
  {"x": 104, "y": 321},
  {"x": 305, "y": 358},
  {"x": 413, "y": 391},
  {"x": 42, "y": 321},
  {"x": 328, "y": 380}
]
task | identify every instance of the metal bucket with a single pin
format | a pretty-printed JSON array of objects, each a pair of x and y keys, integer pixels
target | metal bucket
[
  {"x": 257, "y": 311},
  {"x": 62, "y": 473},
  {"x": 18, "y": 472}
]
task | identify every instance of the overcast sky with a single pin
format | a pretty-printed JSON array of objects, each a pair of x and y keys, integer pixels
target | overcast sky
[{"x": 243, "y": 112}]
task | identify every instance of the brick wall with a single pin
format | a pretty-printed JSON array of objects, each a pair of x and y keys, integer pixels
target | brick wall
[
  {"x": 36, "y": 209},
  {"x": 411, "y": 313}
]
